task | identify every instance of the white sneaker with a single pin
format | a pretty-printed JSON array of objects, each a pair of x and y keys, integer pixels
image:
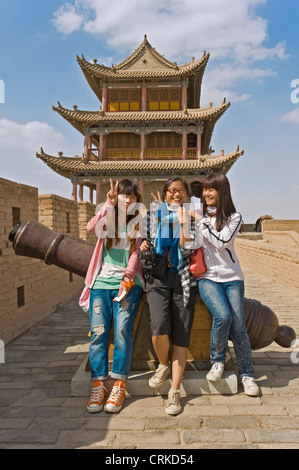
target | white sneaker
[
  {"x": 215, "y": 372},
  {"x": 250, "y": 387},
  {"x": 159, "y": 376},
  {"x": 173, "y": 406}
]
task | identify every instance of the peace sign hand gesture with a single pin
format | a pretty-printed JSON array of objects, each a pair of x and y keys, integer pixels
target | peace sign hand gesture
[
  {"x": 112, "y": 193},
  {"x": 157, "y": 199}
]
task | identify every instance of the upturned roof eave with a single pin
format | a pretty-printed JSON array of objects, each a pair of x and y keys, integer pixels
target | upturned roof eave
[
  {"x": 70, "y": 166},
  {"x": 79, "y": 118},
  {"x": 113, "y": 74}
]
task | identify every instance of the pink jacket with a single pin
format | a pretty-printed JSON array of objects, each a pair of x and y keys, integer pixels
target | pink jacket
[{"x": 96, "y": 224}]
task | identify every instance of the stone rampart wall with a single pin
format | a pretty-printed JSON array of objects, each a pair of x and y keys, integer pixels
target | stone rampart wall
[
  {"x": 288, "y": 239},
  {"x": 278, "y": 225},
  {"x": 276, "y": 261},
  {"x": 30, "y": 290}
]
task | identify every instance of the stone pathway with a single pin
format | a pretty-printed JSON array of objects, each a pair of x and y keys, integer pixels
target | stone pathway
[{"x": 37, "y": 411}]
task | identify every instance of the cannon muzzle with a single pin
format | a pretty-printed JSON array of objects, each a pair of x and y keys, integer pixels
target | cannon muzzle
[
  {"x": 13, "y": 232},
  {"x": 34, "y": 240}
]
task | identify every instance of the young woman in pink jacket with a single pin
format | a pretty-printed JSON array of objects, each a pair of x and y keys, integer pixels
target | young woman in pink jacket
[{"x": 114, "y": 271}]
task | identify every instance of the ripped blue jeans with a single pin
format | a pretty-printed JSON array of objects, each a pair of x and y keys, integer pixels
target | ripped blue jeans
[
  {"x": 102, "y": 311},
  {"x": 225, "y": 300}
]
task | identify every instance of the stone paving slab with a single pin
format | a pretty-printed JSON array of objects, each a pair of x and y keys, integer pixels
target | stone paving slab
[{"x": 37, "y": 410}]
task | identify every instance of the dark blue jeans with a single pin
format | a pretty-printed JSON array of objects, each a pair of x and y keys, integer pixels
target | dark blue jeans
[
  {"x": 102, "y": 310},
  {"x": 225, "y": 300}
]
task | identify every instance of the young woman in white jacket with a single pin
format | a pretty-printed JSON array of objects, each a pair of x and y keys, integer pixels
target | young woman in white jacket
[{"x": 221, "y": 287}]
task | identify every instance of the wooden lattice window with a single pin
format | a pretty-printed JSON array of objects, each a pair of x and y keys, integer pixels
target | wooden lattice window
[
  {"x": 164, "y": 95},
  {"x": 120, "y": 140},
  {"x": 192, "y": 140},
  {"x": 160, "y": 99},
  {"x": 124, "y": 95},
  {"x": 113, "y": 95},
  {"x": 134, "y": 95},
  {"x": 153, "y": 95},
  {"x": 163, "y": 140},
  {"x": 174, "y": 94},
  {"x": 124, "y": 100}
]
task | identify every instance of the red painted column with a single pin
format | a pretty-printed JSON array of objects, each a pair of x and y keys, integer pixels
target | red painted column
[{"x": 98, "y": 192}]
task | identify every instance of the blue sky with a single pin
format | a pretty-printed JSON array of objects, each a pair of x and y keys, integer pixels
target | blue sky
[{"x": 254, "y": 59}]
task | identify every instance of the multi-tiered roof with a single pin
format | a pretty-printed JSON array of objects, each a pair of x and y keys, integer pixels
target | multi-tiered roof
[{"x": 149, "y": 124}]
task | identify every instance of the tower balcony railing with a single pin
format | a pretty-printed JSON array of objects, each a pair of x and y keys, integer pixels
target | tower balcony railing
[
  {"x": 149, "y": 154},
  {"x": 191, "y": 152},
  {"x": 163, "y": 153},
  {"x": 170, "y": 153},
  {"x": 121, "y": 154}
]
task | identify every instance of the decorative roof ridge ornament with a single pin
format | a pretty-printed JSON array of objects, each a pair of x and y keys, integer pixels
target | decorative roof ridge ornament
[{"x": 141, "y": 50}]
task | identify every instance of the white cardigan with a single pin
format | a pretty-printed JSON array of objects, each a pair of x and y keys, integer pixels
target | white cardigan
[{"x": 218, "y": 249}]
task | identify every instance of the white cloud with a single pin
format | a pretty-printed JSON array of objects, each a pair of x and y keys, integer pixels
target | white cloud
[
  {"x": 28, "y": 137},
  {"x": 228, "y": 29},
  {"x": 67, "y": 19},
  {"x": 291, "y": 117},
  {"x": 180, "y": 29},
  {"x": 220, "y": 78},
  {"x": 18, "y": 146}
]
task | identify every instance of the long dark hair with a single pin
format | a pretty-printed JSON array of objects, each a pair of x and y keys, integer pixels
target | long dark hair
[
  {"x": 173, "y": 180},
  {"x": 125, "y": 187},
  {"x": 225, "y": 205}
]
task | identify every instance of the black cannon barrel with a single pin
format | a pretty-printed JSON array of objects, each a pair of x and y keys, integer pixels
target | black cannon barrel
[{"x": 34, "y": 240}]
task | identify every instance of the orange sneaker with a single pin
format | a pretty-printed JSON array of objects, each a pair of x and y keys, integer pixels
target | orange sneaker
[
  {"x": 96, "y": 400},
  {"x": 116, "y": 397}
]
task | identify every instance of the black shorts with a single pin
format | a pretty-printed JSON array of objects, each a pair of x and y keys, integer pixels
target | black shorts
[{"x": 167, "y": 311}]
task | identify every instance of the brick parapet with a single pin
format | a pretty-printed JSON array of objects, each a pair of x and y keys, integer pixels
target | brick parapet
[
  {"x": 277, "y": 262},
  {"x": 30, "y": 290}
]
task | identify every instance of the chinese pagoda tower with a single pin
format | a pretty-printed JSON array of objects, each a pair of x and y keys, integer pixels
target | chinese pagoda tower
[{"x": 149, "y": 126}]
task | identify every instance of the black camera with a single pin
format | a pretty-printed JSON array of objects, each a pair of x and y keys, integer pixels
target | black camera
[
  {"x": 148, "y": 257},
  {"x": 152, "y": 264}
]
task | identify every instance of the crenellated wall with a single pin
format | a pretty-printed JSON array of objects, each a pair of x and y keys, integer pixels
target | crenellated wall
[{"x": 30, "y": 290}]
